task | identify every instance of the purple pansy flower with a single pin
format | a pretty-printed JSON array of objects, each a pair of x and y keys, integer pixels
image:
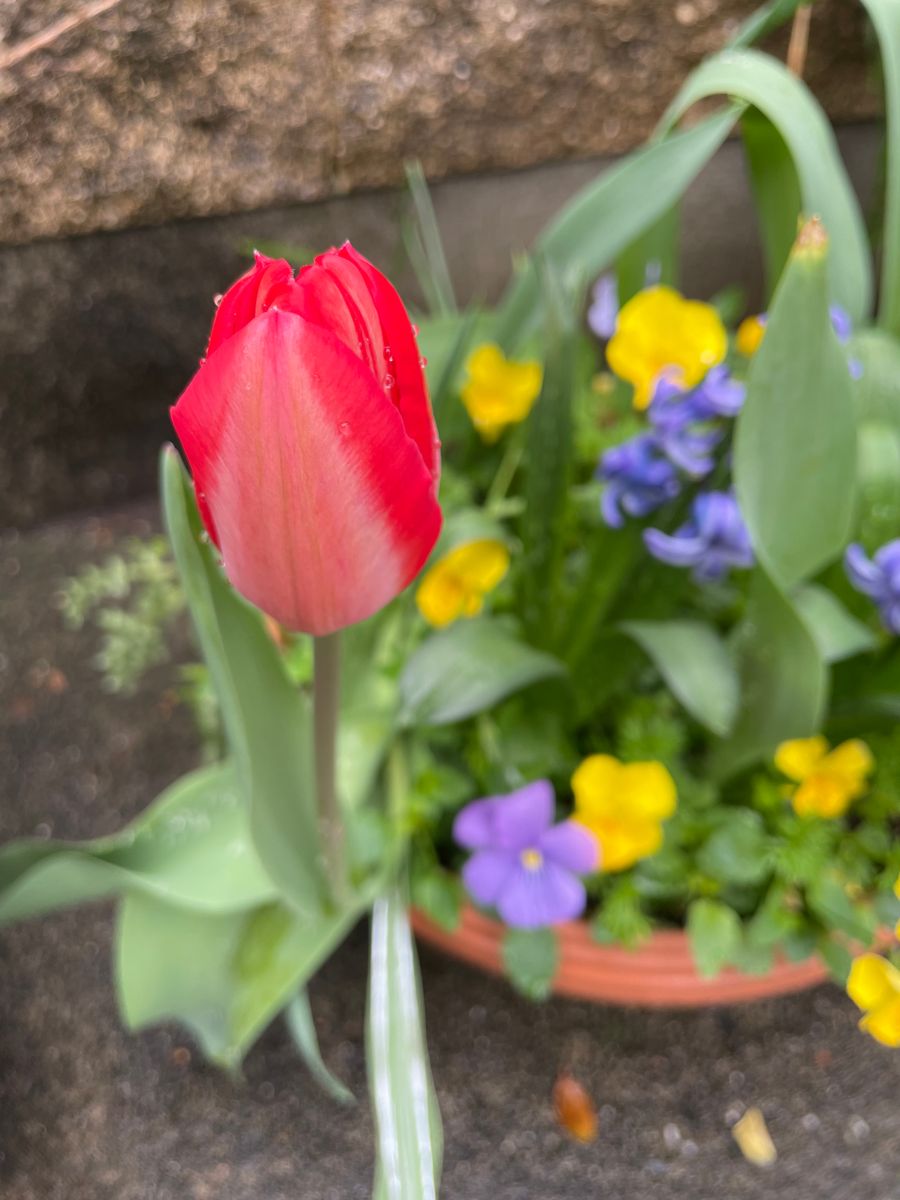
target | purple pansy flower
[
  {"x": 523, "y": 865},
  {"x": 604, "y": 309},
  {"x": 639, "y": 479},
  {"x": 878, "y": 578},
  {"x": 712, "y": 541}
]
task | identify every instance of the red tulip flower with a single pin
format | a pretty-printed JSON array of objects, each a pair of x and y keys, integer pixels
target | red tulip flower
[{"x": 309, "y": 433}]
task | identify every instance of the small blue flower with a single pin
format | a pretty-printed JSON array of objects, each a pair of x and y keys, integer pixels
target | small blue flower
[
  {"x": 878, "y": 578},
  {"x": 685, "y": 422},
  {"x": 843, "y": 328},
  {"x": 604, "y": 309},
  {"x": 712, "y": 541},
  {"x": 639, "y": 479}
]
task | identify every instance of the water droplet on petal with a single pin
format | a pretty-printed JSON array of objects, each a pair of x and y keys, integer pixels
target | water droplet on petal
[
  {"x": 415, "y": 330},
  {"x": 388, "y": 382},
  {"x": 217, "y": 299},
  {"x": 388, "y": 354},
  {"x": 423, "y": 362},
  {"x": 344, "y": 428}
]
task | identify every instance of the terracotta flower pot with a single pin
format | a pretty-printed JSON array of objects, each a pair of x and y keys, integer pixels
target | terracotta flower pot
[{"x": 659, "y": 974}]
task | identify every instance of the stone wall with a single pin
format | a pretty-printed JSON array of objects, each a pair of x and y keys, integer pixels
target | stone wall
[{"x": 151, "y": 111}]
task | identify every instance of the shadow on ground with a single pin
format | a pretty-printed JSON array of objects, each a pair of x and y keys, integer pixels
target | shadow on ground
[{"x": 90, "y": 1113}]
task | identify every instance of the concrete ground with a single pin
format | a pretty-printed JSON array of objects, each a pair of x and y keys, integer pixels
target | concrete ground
[{"x": 88, "y": 1112}]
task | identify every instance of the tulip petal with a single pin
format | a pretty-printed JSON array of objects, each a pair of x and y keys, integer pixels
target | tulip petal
[
  {"x": 267, "y": 282},
  {"x": 410, "y": 393},
  {"x": 324, "y": 508}
]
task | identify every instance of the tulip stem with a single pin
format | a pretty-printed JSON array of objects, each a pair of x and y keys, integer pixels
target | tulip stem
[{"x": 326, "y": 696}]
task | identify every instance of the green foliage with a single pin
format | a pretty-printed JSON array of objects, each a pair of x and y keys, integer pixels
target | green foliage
[
  {"x": 620, "y": 916},
  {"x": 648, "y": 728},
  {"x": 737, "y": 851},
  {"x": 467, "y": 668},
  {"x": 530, "y": 958},
  {"x": 795, "y": 463},
  {"x": 407, "y": 1120},
  {"x": 714, "y": 931},
  {"x": 133, "y": 597},
  {"x": 696, "y": 664},
  {"x": 299, "y": 1018}
]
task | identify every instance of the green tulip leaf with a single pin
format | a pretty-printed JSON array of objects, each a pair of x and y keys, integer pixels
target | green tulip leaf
[
  {"x": 607, "y": 216},
  {"x": 298, "y": 1015},
  {"x": 407, "y": 1119},
  {"x": 223, "y": 975},
  {"x": 885, "y": 15},
  {"x": 795, "y": 442},
  {"x": 467, "y": 668},
  {"x": 784, "y": 680},
  {"x": 758, "y": 79},
  {"x": 267, "y": 719},
  {"x": 192, "y": 847},
  {"x": 696, "y": 664},
  {"x": 837, "y": 634}
]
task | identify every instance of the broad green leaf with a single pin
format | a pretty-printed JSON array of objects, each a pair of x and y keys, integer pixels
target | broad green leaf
[
  {"x": 607, "y": 216},
  {"x": 878, "y": 387},
  {"x": 407, "y": 1119},
  {"x": 696, "y": 664},
  {"x": 466, "y": 669},
  {"x": 828, "y": 901},
  {"x": 267, "y": 719},
  {"x": 192, "y": 847},
  {"x": 224, "y": 976},
  {"x": 651, "y": 257},
  {"x": 548, "y": 459},
  {"x": 837, "y": 634},
  {"x": 715, "y": 935},
  {"x": 885, "y": 16},
  {"x": 760, "y": 80},
  {"x": 766, "y": 19},
  {"x": 795, "y": 442},
  {"x": 298, "y": 1015},
  {"x": 736, "y": 852},
  {"x": 784, "y": 681},
  {"x": 530, "y": 958},
  {"x": 776, "y": 191}
]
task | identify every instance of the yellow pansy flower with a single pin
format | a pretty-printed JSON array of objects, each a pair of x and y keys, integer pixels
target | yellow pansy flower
[
  {"x": 749, "y": 335},
  {"x": 828, "y": 779},
  {"x": 623, "y": 805},
  {"x": 660, "y": 333},
  {"x": 457, "y": 583},
  {"x": 499, "y": 391},
  {"x": 874, "y": 986}
]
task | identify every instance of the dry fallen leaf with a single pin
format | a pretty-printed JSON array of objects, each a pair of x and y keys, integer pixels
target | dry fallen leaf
[
  {"x": 752, "y": 1136},
  {"x": 575, "y": 1109}
]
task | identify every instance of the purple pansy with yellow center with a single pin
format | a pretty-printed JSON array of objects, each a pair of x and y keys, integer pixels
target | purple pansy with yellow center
[
  {"x": 522, "y": 864},
  {"x": 878, "y": 578},
  {"x": 712, "y": 541}
]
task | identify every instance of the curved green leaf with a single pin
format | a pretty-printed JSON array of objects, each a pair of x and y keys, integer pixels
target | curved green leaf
[
  {"x": 885, "y": 16},
  {"x": 192, "y": 847},
  {"x": 714, "y": 932},
  {"x": 776, "y": 191},
  {"x": 225, "y": 975},
  {"x": 784, "y": 681},
  {"x": 407, "y": 1118},
  {"x": 607, "y": 216},
  {"x": 795, "y": 442},
  {"x": 267, "y": 719},
  {"x": 298, "y": 1015},
  {"x": 697, "y": 666},
  {"x": 758, "y": 79},
  {"x": 836, "y": 632},
  {"x": 466, "y": 669}
]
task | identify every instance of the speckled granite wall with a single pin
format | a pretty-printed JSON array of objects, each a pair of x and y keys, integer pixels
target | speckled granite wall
[{"x": 148, "y": 111}]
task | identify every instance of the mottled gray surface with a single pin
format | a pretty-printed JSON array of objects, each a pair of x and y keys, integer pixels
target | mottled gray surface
[
  {"x": 148, "y": 111},
  {"x": 89, "y": 1113},
  {"x": 98, "y": 335}
]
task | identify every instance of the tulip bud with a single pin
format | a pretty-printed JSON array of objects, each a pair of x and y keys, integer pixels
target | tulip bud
[{"x": 311, "y": 441}]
